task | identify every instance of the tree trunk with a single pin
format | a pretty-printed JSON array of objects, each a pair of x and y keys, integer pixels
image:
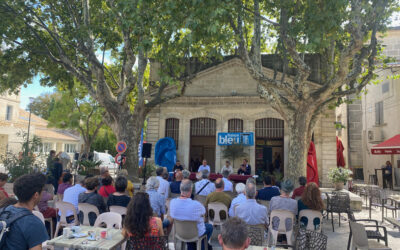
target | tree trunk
[{"x": 299, "y": 140}]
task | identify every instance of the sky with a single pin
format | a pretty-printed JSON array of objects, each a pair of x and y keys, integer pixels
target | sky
[{"x": 35, "y": 90}]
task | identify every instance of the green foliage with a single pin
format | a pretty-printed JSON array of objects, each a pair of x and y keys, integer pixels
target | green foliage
[
  {"x": 105, "y": 140},
  {"x": 337, "y": 175},
  {"x": 150, "y": 170},
  {"x": 25, "y": 162},
  {"x": 233, "y": 152},
  {"x": 88, "y": 167},
  {"x": 43, "y": 105}
]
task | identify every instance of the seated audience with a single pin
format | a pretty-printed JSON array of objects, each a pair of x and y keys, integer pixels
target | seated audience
[
  {"x": 103, "y": 173},
  {"x": 28, "y": 232},
  {"x": 299, "y": 191},
  {"x": 48, "y": 212},
  {"x": 311, "y": 199},
  {"x": 268, "y": 191},
  {"x": 239, "y": 199},
  {"x": 139, "y": 220},
  {"x": 234, "y": 235},
  {"x": 186, "y": 209},
  {"x": 3, "y": 181},
  {"x": 163, "y": 187},
  {"x": 129, "y": 187},
  {"x": 218, "y": 195},
  {"x": 204, "y": 186},
  {"x": 228, "y": 186},
  {"x": 90, "y": 196},
  {"x": 67, "y": 182},
  {"x": 119, "y": 197},
  {"x": 176, "y": 185},
  {"x": 71, "y": 194},
  {"x": 107, "y": 187},
  {"x": 249, "y": 210},
  {"x": 186, "y": 174},
  {"x": 227, "y": 167},
  {"x": 283, "y": 202},
  {"x": 157, "y": 201}
]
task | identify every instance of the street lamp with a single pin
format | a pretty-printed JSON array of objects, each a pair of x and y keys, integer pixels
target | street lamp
[{"x": 29, "y": 126}]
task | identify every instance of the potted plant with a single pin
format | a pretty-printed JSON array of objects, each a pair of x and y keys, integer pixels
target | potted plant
[{"x": 339, "y": 176}]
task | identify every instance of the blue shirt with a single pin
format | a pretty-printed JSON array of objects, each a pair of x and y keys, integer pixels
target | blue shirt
[
  {"x": 25, "y": 233},
  {"x": 202, "y": 167},
  {"x": 228, "y": 186},
  {"x": 157, "y": 202},
  {"x": 175, "y": 187},
  {"x": 207, "y": 190},
  {"x": 267, "y": 193},
  {"x": 238, "y": 200},
  {"x": 252, "y": 212},
  {"x": 189, "y": 210},
  {"x": 71, "y": 195}
]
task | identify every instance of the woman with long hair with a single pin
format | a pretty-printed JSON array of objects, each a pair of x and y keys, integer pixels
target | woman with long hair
[
  {"x": 311, "y": 199},
  {"x": 139, "y": 220}
]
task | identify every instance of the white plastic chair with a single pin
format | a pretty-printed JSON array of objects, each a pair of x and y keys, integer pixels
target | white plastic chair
[
  {"x": 264, "y": 203},
  {"x": 64, "y": 207},
  {"x": 360, "y": 239},
  {"x": 118, "y": 209},
  {"x": 186, "y": 231},
  {"x": 311, "y": 215},
  {"x": 282, "y": 215},
  {"x": 87, "y": 208},
  {"x": 217, "y": 208},
  {"x": 41, "y": 217},
  {"x": 111, "y": 219}
]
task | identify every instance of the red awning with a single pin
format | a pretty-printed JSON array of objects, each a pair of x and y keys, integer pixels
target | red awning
[{"x": 388, "y": 147}]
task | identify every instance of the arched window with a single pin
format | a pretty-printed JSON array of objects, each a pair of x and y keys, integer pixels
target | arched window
[
  {"x": 203, "y": 127},
  {"x": 172, "y": 129},
  {"x": 269, "y": 128},
  {"x": 235, "y": 125}
]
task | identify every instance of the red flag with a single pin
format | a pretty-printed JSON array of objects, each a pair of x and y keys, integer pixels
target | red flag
[{"x": 312, "y": 168}]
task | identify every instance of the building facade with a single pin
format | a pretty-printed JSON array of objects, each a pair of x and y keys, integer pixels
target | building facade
[
  {"x": 224, "y": 98},
  {"x": 14, "y": 122},
  {"x": 375, "y": 116}
]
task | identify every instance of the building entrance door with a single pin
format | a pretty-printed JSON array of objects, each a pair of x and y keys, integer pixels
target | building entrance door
[
  {"x": 202, "y": 142},
  {"x": 269, "y": 146}
]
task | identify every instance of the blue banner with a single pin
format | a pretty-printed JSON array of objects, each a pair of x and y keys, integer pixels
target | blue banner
[
  {"x": 140, "y": 150},
  {"x": 245, "y": 139}
]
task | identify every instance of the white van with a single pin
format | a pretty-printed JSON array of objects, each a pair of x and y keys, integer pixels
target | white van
[{"x": 107, "y": 160}]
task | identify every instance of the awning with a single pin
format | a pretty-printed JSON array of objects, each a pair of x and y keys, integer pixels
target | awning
[{"x": 388, "y": 147}]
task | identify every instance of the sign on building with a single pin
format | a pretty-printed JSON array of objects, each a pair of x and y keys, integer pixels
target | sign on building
[{"x": 245, "y": 138}]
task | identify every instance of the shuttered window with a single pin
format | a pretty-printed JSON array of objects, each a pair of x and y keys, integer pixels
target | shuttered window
[
  {"x": 269, "y": 128},
  {"x": 172, "y": 129},
  {"x": 379, "y": 113},
  {"x": 235, "y": 125}
]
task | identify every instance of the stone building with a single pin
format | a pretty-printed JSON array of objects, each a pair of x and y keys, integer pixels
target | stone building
[
  {"x": 375, "y": 116},
  {"x": 14, "y": 121},
  {"x": 223, "y": 97}
]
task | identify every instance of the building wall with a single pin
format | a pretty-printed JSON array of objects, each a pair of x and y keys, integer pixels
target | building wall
[{"x": 224, "y": 92}]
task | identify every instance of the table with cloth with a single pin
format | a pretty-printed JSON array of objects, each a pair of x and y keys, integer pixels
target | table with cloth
[{"x": 83, "y": 243}]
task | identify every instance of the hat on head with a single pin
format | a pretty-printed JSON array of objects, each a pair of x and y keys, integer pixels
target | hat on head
[{"x": 287, "y": 186}]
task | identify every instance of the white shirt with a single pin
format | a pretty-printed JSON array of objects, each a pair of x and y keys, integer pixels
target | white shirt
[
  {"x": 228, "y": 186},
  {"x": 230, "y": 169},
  {"x": 202, "y": 167},
  {"x": 163, "y": 189},
  {"x": 71, "y": 195},
  {"x": 189, "y": 210},
  {"x": 207, "y": 190}
]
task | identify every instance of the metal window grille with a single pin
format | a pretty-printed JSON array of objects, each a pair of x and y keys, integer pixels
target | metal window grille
[
  {"x": 172, "y": 129},
  {"x": 269, "y": 128},
  {"x": 235, "y": 125},
  {"x": 203, "y": 127}
]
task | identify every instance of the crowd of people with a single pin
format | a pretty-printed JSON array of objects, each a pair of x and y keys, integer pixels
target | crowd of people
[{"x": 147, "y": 210}]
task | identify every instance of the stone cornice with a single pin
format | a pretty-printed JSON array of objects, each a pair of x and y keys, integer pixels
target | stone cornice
[{"x": 215, "y": 101}]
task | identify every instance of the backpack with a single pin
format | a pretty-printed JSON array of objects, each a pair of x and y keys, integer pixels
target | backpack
[{"x": 7, "y": 218}]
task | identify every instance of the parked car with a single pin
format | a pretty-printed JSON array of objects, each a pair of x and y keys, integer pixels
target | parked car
[{"x": 107, "y": 160}]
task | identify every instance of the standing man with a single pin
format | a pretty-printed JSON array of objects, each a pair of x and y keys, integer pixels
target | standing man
[
  {"x": 204, "y": 167},
  {"x": 163, "y": 188},
  {"x": 50, "y": 160},
  {"x": 27, "y": 232},
  {"x": 387, "y": 175}
]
